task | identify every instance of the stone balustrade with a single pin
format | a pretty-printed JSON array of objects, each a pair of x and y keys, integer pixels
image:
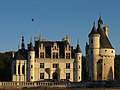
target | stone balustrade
[{"x": 34, "y": 84}]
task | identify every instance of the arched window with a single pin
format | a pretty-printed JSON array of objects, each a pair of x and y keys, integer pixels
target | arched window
[
  {"x": 19, "y": 69},
  {"x": 23, "y": 69}
]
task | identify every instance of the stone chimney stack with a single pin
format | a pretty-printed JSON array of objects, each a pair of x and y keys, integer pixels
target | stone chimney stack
[{"x": 106, "y": 30}]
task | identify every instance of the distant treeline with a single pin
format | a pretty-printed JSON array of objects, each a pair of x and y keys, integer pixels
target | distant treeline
[
  {"x": 5, "y": 66},
  {"x": 6, "y": 59}
]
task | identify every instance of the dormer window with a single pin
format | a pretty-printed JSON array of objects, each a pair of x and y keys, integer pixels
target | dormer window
[
  {"x": 67, "y": 55},
  {"x": 55, "y": 51},
  {"x": 55, "y": 55},
  {"x": 41, "y": 54}
]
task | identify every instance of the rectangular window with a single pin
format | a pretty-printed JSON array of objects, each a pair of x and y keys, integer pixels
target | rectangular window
[
  {"x": 42, "y": 55},
  {"x": 18, "y": 69},
  {"x": 55, "y": 55},
  {"x": 41, "y": 75},
  {"x": 31, "y": 66},
  {"x": 67, "y": 55},
  {"x": 67, "y": 65},
  {"x": 55, "y": 66},
  {"x": 41, "y": 65},
  {"x": 23, "y": 69},
  {"x": 31, "y": 77},
  {"x": 67, "y": 76}
]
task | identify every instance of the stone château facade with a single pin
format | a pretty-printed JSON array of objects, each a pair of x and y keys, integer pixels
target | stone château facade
[
  {"x": 58, "y": 60},
  {"x": 100, "y": 54},
  {"x": 47, "y": 60}
]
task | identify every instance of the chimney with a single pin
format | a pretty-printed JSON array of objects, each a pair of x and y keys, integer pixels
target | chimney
[
  {"x": 36, "y": 38},
  {"x": 13, "y": 54},
  {"x": 106, "y": 30},
  {"x": 67, "y": 39}
]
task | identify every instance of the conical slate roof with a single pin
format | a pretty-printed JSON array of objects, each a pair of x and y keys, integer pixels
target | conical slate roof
[
  {"x": 104, "y": 41},
  {"x": 18, "y": 56},
  {"x": 94, "y": 30},
  {"x": 78, "y": 50},
  {"x": 31, "y": 47}
]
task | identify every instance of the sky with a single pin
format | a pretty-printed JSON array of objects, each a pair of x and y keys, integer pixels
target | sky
[{"x": 54, "y": 19}]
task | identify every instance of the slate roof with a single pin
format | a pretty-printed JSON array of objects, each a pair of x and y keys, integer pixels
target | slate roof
[
  {"x": 104, "y": 41},
  {"x": 49, "y": 44},
  {"x": 94, "y": 30},
  {"x": 18, "y": 56},
  {"x": 31, "y": 47},
  {"x": 22, "y": 54},
  {"x": 78, "y": 50}
]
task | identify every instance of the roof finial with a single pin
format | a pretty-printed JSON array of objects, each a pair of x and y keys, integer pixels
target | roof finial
[
  {"x": 22, "y": 39},
  {"x": 39, "y": 36},
  {"x": 66, "y": 36},
  {"x": 100, "y": 20},
  {"x": 99, "y": 15},
  {"x": 94, "y": 23},
  {"x": 22, "y": 45},
  {"x": 18, "y": 47},
  {"x": 78, "y": 41}
]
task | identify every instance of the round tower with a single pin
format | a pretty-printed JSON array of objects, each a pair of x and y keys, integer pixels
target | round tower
[
  {"x": 94, "y": 41},
  {"x": 31, "y": 65},
  {"x": 78, "y": 65},
  {"x": 94, "y": 46}
]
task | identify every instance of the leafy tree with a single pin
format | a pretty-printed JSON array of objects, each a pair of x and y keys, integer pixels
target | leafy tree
[
  {"x": 117, "y": 67},
  {"x": 84, "y": 74},
  {"x": 5, "y": 66}
]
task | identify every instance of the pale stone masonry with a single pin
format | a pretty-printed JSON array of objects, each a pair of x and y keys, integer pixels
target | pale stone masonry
[
  {"x": 58, "y": 60},
  {"x": 100, "y": 54},
  {"x": 55, "y": 60}
]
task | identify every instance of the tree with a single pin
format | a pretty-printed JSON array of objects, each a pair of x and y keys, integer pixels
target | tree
[
  {"x": 5, "y": 66},
  {"x": 117, "y": 67}
]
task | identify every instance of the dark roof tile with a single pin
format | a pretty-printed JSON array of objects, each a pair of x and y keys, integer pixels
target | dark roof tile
[
  {"x": 104, "y": 41},
  {"x": 18, "y": 56},
  {"x": 78, "y": 50},
  {"x": 94, "y": 31}
]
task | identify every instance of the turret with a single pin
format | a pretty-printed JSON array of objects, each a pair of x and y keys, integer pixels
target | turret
[
  {"x": 94, "y": 46},
  {"x": 78, "y": 65},
  {"x": 94, "y": 40},
  {"x": 31, "y": 65}
]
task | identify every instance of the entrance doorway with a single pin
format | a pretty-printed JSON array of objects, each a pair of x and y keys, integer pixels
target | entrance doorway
[{"x": 55, "y": 76}]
